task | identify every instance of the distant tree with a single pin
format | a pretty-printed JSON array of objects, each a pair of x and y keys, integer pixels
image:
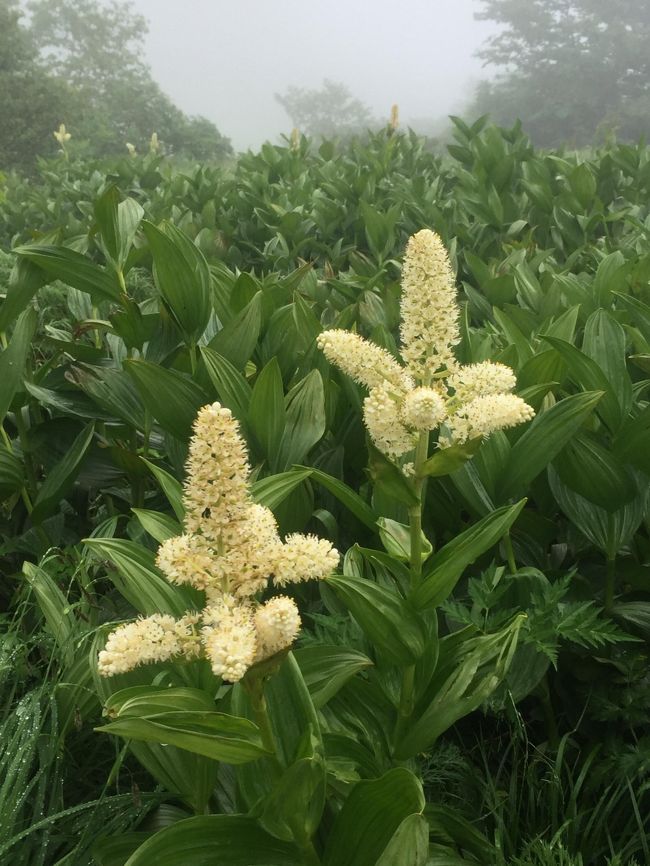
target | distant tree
[
  {"x": 31, "y": 103},
  {"x": 95, "y": 50},
  {"x": 568, "y": 67},
  {"x": 332, "y": 111}
]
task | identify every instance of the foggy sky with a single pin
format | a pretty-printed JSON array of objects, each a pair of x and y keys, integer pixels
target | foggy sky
[{"x": 226, "y": 60}]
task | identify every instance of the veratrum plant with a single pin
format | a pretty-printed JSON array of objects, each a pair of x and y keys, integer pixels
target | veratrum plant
[{"x": 309, "y": 758}]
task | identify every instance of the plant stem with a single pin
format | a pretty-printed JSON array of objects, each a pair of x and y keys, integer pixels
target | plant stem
[
  {"x": 260, "y": 712},
  {"x": 510, "y": 554},
  {"x": 610, "y": 583},
  {"x": 407, "y": 691}
]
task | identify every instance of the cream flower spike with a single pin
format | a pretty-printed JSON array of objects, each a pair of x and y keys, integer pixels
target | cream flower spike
[
  {"x": 430, "y": 313},
  {"x": 363, "y": 361}
]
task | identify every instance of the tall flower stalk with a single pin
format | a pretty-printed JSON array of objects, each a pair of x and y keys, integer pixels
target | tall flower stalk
[{"x": 427, "y": 398}]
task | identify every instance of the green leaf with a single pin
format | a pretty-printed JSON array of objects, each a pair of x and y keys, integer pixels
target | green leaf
[
  {"x": 587, "y": 374},
  {"x": 352, "y": 501},
  {"x": 605, "y": 342},
  {"x": 387, "y": 477},
  {"x": 182, "y": 277},
  {"x": 62, "y": 477},
  {"x": 448, "y": 460},
  {"x": 384, "y": 616},
  {"x": 170, "y": 486},
  {"x": 543, "y": 439},
  {"x": 274, "y": 489},
  {"x": 237, "y": 340},
  {"x": 54, "y": 606},
  {"x": 445, "y": 568},
  {"x": 148, "y": 700},
  {"x": 370, "y": 818},
  {"x": 266, "y": 412},
  {"x": 326, "y": 669},
  {"x": 305, "y": 421},
  {"x": 232, "y": 388},
  {"x": 409, "y": 845},
  {"x": 173, "y": 399},
  {"x": 113, "y": 391},
  {"x": 159, "y": 526},
  {"x": 591, "y": 470},
  {"x": 137, "y": 578},
  {"x": 118, "y": 223},
  {"x": 13, "y": 358},
  {"x": 396, "y": 538},
  {"x": 24, "y": 281},
  {"x": 214, "y": 735},
  {"x": 209, "y": 840},
  {"x": 12, "y": 474},
  {"x": 73, "y": 269},
  {"x": 466, "y": 675},
  {"x": 116, "y": 850},
  {"x": 609, "y": 531}
]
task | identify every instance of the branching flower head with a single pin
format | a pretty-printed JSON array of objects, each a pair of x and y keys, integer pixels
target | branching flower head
[
  {"x": 432, "y": 389},
  {"x": 230, "y": 550},
  {"x": 62, "y": 135}
]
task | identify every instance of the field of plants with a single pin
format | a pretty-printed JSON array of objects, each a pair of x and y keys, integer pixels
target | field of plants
[{"x": 325, "y": 524}]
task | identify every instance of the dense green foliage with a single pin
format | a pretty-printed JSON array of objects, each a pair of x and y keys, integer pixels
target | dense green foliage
[
  {"x": 117, "y": 333},
  {"x": 568, "y": 70},
  {"x": 80, "y": 63}
]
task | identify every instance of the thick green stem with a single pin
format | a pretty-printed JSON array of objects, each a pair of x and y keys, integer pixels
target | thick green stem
[
  {"x": 260, "y": 712},
  {"x": 507, "y": 543},
  {"x": 610, "y": 573},
  {"x": 610, "y": 584},
  {"x": 407, "y": 691}
]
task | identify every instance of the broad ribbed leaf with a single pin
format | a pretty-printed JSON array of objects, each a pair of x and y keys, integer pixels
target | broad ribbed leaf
[
  {"x": 327, "y": 668},
  {"x": 12, "y": 359},
  {"x": 214, "y": 735},
  {"x": 445, "y": 568},
  {"x": 232, "y": 388},
  {"x": 266, "y": 412},
  {"x": 173, "y": 399},
  {"x": 237, "y": 340},
  {"x": 384, "y": 616},
  {"x": 182, "y": 277},
  {"x": 591, "y": 470},
  {"x": 370, "y": 817},
  {"x": 216, "y": 840},
  {"x": 543, "y": 439},
  {"x": 73, "y": 269},
  {"x": 136, "y": 577},
  {"x": 62, "y": 477}
]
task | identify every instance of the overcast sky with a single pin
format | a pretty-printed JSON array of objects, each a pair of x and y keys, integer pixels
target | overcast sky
[{"x": 226, "y": 60}]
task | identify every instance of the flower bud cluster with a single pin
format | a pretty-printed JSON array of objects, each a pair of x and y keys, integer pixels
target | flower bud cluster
[{"x": 230, "y": 550}]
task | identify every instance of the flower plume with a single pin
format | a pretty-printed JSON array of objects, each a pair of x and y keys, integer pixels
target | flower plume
[
  {"x": 432, "y": 390},
  {"x": 230, "y": 549}
]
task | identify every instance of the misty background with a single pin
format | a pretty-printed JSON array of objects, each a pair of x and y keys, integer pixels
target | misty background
[
  {"x": 227, "y": 60},
  {"x": 212, "y": 79}
]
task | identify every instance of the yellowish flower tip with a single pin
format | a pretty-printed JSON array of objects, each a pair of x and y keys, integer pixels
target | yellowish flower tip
[
  {"x": 229, "y": 638},
  {"x": 277, "y": 624},
  {"x": 481, "y": 380},
  {"x": 154, "y": 143},
  {"x": 295, "y": 140},
  {"x": 423, "y": 409},
  {"x": 486, "y": 414},
  {"x": 156, "y": 638},
  {"x": 302, "y": 558},
  {"x": 393, "y": 123},
  {"x": 363, "y": 361},
  {"x": 230, "y": 550},
  {"x": 430, "y": 313},
  {"x": 131, "y": 149},
  {"x": 383, "y": 419},
  {"x": 61, "y": 135}
]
